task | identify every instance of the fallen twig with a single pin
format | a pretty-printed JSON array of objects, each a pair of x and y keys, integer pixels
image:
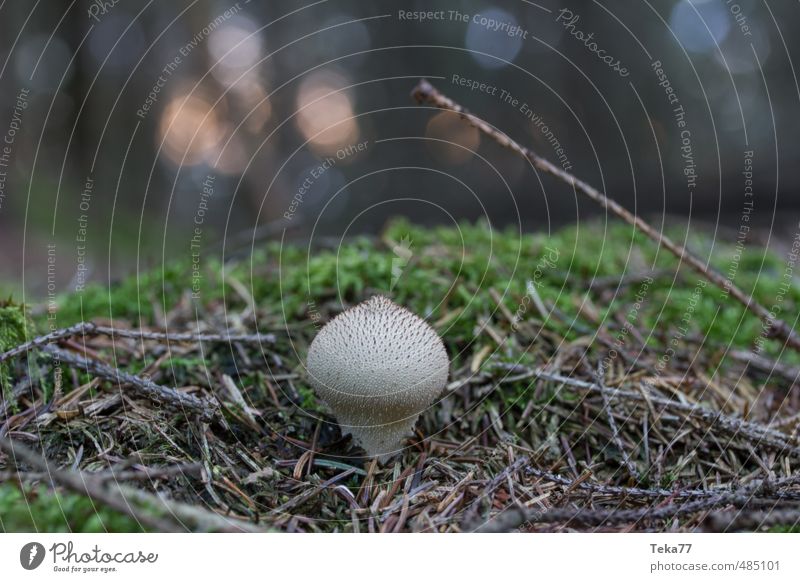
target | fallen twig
[
  {"x": 195, "y": 517},
  {"x": 144, "y": 386},
  {"x": 765, "y": 485},
  {"x": 516, "y": 517},
  {"x": 758, "y": 433},
  {"x": 492, "y": 486},
  {"x": 424, "y": 92},
  {"x": 141, "y": 474},
  {"x": 308, "y": 494},
  {"x": 747, "y": 495},
  {"x": 89, "y": 328},
  {"x": 612, "y": 423},
  {"x": 85, "y": 485},
  {"x": 752, "y": 520},
  {"x": 758, "y": 362}
]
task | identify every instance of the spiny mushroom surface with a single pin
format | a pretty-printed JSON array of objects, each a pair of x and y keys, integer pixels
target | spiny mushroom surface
[{"x": 378, "y": 366}]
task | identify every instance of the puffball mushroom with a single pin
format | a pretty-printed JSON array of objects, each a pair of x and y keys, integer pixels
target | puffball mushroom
[{"x": 378, "y": 366}]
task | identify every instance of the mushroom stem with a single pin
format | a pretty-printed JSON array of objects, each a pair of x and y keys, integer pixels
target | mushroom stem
[{"x": 382, "y": 441}]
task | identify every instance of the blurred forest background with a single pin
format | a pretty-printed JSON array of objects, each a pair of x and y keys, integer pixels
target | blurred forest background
[{"x": 125, "y": 122}]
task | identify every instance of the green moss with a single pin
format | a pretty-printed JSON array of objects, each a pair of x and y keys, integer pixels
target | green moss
[
  {"x": 451, "y": 271},
  {"x": 14, "y": 330},
  {"x": 453, "y": 277},
  {"x": 135, "y": 297},
  {"x": 308, "y": 400},
  {"x": 785, "y": 529},
  {"x": 41, "y": 510}
]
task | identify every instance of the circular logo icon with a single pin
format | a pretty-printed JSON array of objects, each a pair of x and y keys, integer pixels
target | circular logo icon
[{"x": 31, "y": 555}]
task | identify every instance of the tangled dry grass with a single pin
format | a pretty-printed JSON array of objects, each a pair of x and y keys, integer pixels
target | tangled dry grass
[{"x": 565, "y": 443}]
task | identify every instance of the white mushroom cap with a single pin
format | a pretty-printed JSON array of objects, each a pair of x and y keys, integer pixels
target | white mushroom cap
[{"x": 378, "y": 366}]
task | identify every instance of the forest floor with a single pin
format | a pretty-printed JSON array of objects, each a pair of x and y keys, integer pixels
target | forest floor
[{"x": 595, "y": 385}]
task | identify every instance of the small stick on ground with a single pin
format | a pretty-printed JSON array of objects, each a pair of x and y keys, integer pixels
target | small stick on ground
[
  {"x": 194, "y": 517},
  {"x": 612, "y": 423},
  {"x": 89, "y": 328},
  {"x": 725, "y": 521},
  {"x": 85, "y": 485},
  {"x": 637, "y": 492},
  {"x": 749, "y": 495},
  {"x": 492, "y": 486},
  {"x": 424, "y": 92},
  {"x": 515, "y": 517},
  {"x": 308, "y": 494},
  {"x": 144, "y": 386},
  {"x": 140, "y": 474},
  {"x": 767, "y": 366},
  {"x": 759, "y": 434}
]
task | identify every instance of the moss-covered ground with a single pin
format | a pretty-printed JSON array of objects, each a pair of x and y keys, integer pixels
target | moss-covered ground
[{"x": 707, "y": 400}]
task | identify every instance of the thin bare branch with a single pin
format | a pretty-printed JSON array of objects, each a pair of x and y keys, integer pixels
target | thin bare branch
[
  {"x": 612, "y": 423},
  {"x": 725, "y": 521},
  {"x": 517, "y": 518},
  {"x": 757, "y": 433},
  {"x": 85, "y": 484},
  {"x": 89, "y": 328},
  {"x": 143, "y": 386},
  {"x": 424, "y": 92}
]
